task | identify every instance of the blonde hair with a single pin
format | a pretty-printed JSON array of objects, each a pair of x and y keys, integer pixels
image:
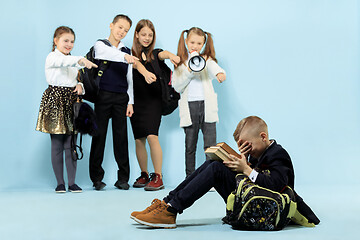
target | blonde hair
[
  {"x": 137, "y": 48},
  {"x": 209, "y": 50},
  {"x": 253, "y": 124},
  {"x": 59, "y": 31}
]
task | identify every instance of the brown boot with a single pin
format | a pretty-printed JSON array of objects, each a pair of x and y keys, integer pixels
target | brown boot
[
  {"x": 154, "y": 204},
  {"x": 160, "y": 217}
]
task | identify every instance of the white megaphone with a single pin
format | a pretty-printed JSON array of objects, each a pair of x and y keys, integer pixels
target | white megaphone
[{"x": 196, "y": 62}]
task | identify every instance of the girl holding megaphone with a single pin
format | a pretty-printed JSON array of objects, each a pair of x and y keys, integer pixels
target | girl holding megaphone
[{"x": 192, "y": 78}]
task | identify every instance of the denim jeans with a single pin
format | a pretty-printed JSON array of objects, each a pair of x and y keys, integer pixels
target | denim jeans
[{"x": 197, "y": 113}]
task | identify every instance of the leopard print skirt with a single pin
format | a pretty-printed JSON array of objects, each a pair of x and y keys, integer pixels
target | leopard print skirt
[{"x": 56, "y": 110}]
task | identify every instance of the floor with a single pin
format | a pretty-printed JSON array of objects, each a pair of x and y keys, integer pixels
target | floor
[{"x": 43, "y": 214}]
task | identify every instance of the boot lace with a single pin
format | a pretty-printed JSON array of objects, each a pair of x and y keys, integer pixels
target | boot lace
[{"x": 154, "y": 204}]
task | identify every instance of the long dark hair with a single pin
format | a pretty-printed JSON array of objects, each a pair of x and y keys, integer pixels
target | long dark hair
[
  {"x": 209, "y": 50},
  {"x": 59, "y": 31},
  {"x": 136, "y": 47}
]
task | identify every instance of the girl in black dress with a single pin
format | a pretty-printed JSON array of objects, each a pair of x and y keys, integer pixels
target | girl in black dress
[{"x": 146, "y": 119}]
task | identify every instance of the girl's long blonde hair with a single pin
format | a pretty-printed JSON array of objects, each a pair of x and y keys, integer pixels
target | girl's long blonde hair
[{"x": 208, "y": 52}]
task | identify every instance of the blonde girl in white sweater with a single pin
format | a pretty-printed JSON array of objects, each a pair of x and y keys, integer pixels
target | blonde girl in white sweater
[{"x": 198, "y": 107}]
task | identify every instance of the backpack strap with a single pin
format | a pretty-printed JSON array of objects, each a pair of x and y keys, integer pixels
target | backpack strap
[
  {"x": 103, "y": 63},
  {"x": 155, "y": 64},
  {"x": 105, "y": 41},
  {"x": 74, "y": 148}
]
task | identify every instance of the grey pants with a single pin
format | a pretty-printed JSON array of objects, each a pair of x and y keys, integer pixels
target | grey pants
[
  {"x": 208, "y": 130},
  {"x": 59, "y": 144}
]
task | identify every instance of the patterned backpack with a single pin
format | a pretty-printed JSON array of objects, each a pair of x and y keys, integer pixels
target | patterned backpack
[{"x": 251, "y": 207}]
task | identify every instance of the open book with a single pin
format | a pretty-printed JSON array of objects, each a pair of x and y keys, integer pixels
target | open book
[{"x": 221, "y": 152}]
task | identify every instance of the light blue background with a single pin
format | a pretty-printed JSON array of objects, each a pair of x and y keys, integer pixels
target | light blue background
[{"x": 292, "y": 62}]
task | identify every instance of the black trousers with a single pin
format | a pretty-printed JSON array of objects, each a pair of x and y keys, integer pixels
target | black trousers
[
  {"x": 209, "y": 174},
  {"x": 110, "y": 105}
]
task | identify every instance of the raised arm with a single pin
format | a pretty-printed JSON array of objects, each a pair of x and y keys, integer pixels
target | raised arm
[
  {"x": 56, "y": 60},
  {"x": 168, "y": 55},
  {"x": 104, "y": 52}
]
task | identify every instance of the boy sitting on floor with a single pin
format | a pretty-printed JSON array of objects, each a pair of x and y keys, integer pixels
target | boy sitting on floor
[{"x": 264, "y": 161}]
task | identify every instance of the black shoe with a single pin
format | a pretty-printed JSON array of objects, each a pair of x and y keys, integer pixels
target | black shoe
[
  {"x": 60, "y": 189},
  {"x": 75, "y": 188},
  {"x": 123, "y": 186},
  {"x": 99, "y": 185}
]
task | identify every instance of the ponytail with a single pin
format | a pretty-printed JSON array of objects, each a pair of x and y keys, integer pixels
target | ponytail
[
  {"x": 209, "y": 50},
  {"x": 182, "y": 51}
]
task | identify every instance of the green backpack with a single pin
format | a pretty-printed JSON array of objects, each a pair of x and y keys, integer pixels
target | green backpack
[{"x": 251, "y": 207}]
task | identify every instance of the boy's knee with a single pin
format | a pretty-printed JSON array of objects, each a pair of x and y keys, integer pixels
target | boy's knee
[{"x": 217, "y": 165}]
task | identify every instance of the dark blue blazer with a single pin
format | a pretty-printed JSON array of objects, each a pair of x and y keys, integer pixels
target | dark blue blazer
[{"x": 276, "y": 172}]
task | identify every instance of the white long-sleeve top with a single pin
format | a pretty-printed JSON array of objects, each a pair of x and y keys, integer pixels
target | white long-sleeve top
[
  {"x": 181, "y": 81},
  {"x": 114, "y": 54},
  {"x": 61, "y": 70}
]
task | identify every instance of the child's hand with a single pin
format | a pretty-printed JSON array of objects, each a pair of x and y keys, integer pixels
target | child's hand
[
  {"x": 150, "y": 77},
  {"x": 238, "y": 164},
  {"x": 244, "y": 147},
  {"x": 129, "y": 110},
  {"x": 78, "y": 89},
  {"x": 221, "y": 77},
  {"x": 130, "y": 59},
  {"x": 175, "y": 60},
  {"x": 87, "y": 63}
]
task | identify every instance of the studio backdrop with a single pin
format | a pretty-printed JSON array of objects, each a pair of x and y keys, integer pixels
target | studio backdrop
[{"x": 295, "y": 63}]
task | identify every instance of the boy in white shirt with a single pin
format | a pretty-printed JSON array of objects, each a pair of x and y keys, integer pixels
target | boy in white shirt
[{"x": 115, "y": 100}]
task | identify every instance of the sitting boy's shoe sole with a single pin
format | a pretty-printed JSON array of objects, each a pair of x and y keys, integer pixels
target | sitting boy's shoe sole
[{"x": 155, "y": 225}]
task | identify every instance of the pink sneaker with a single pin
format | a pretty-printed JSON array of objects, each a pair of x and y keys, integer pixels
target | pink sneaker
[{"x": 155, "y": 183}]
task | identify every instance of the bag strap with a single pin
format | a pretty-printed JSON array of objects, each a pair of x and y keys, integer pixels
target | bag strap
[
  {"x": 75, "y": 148},
  {"x": 155, "y": 64},
  {"x": 104, "y": 63}
]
